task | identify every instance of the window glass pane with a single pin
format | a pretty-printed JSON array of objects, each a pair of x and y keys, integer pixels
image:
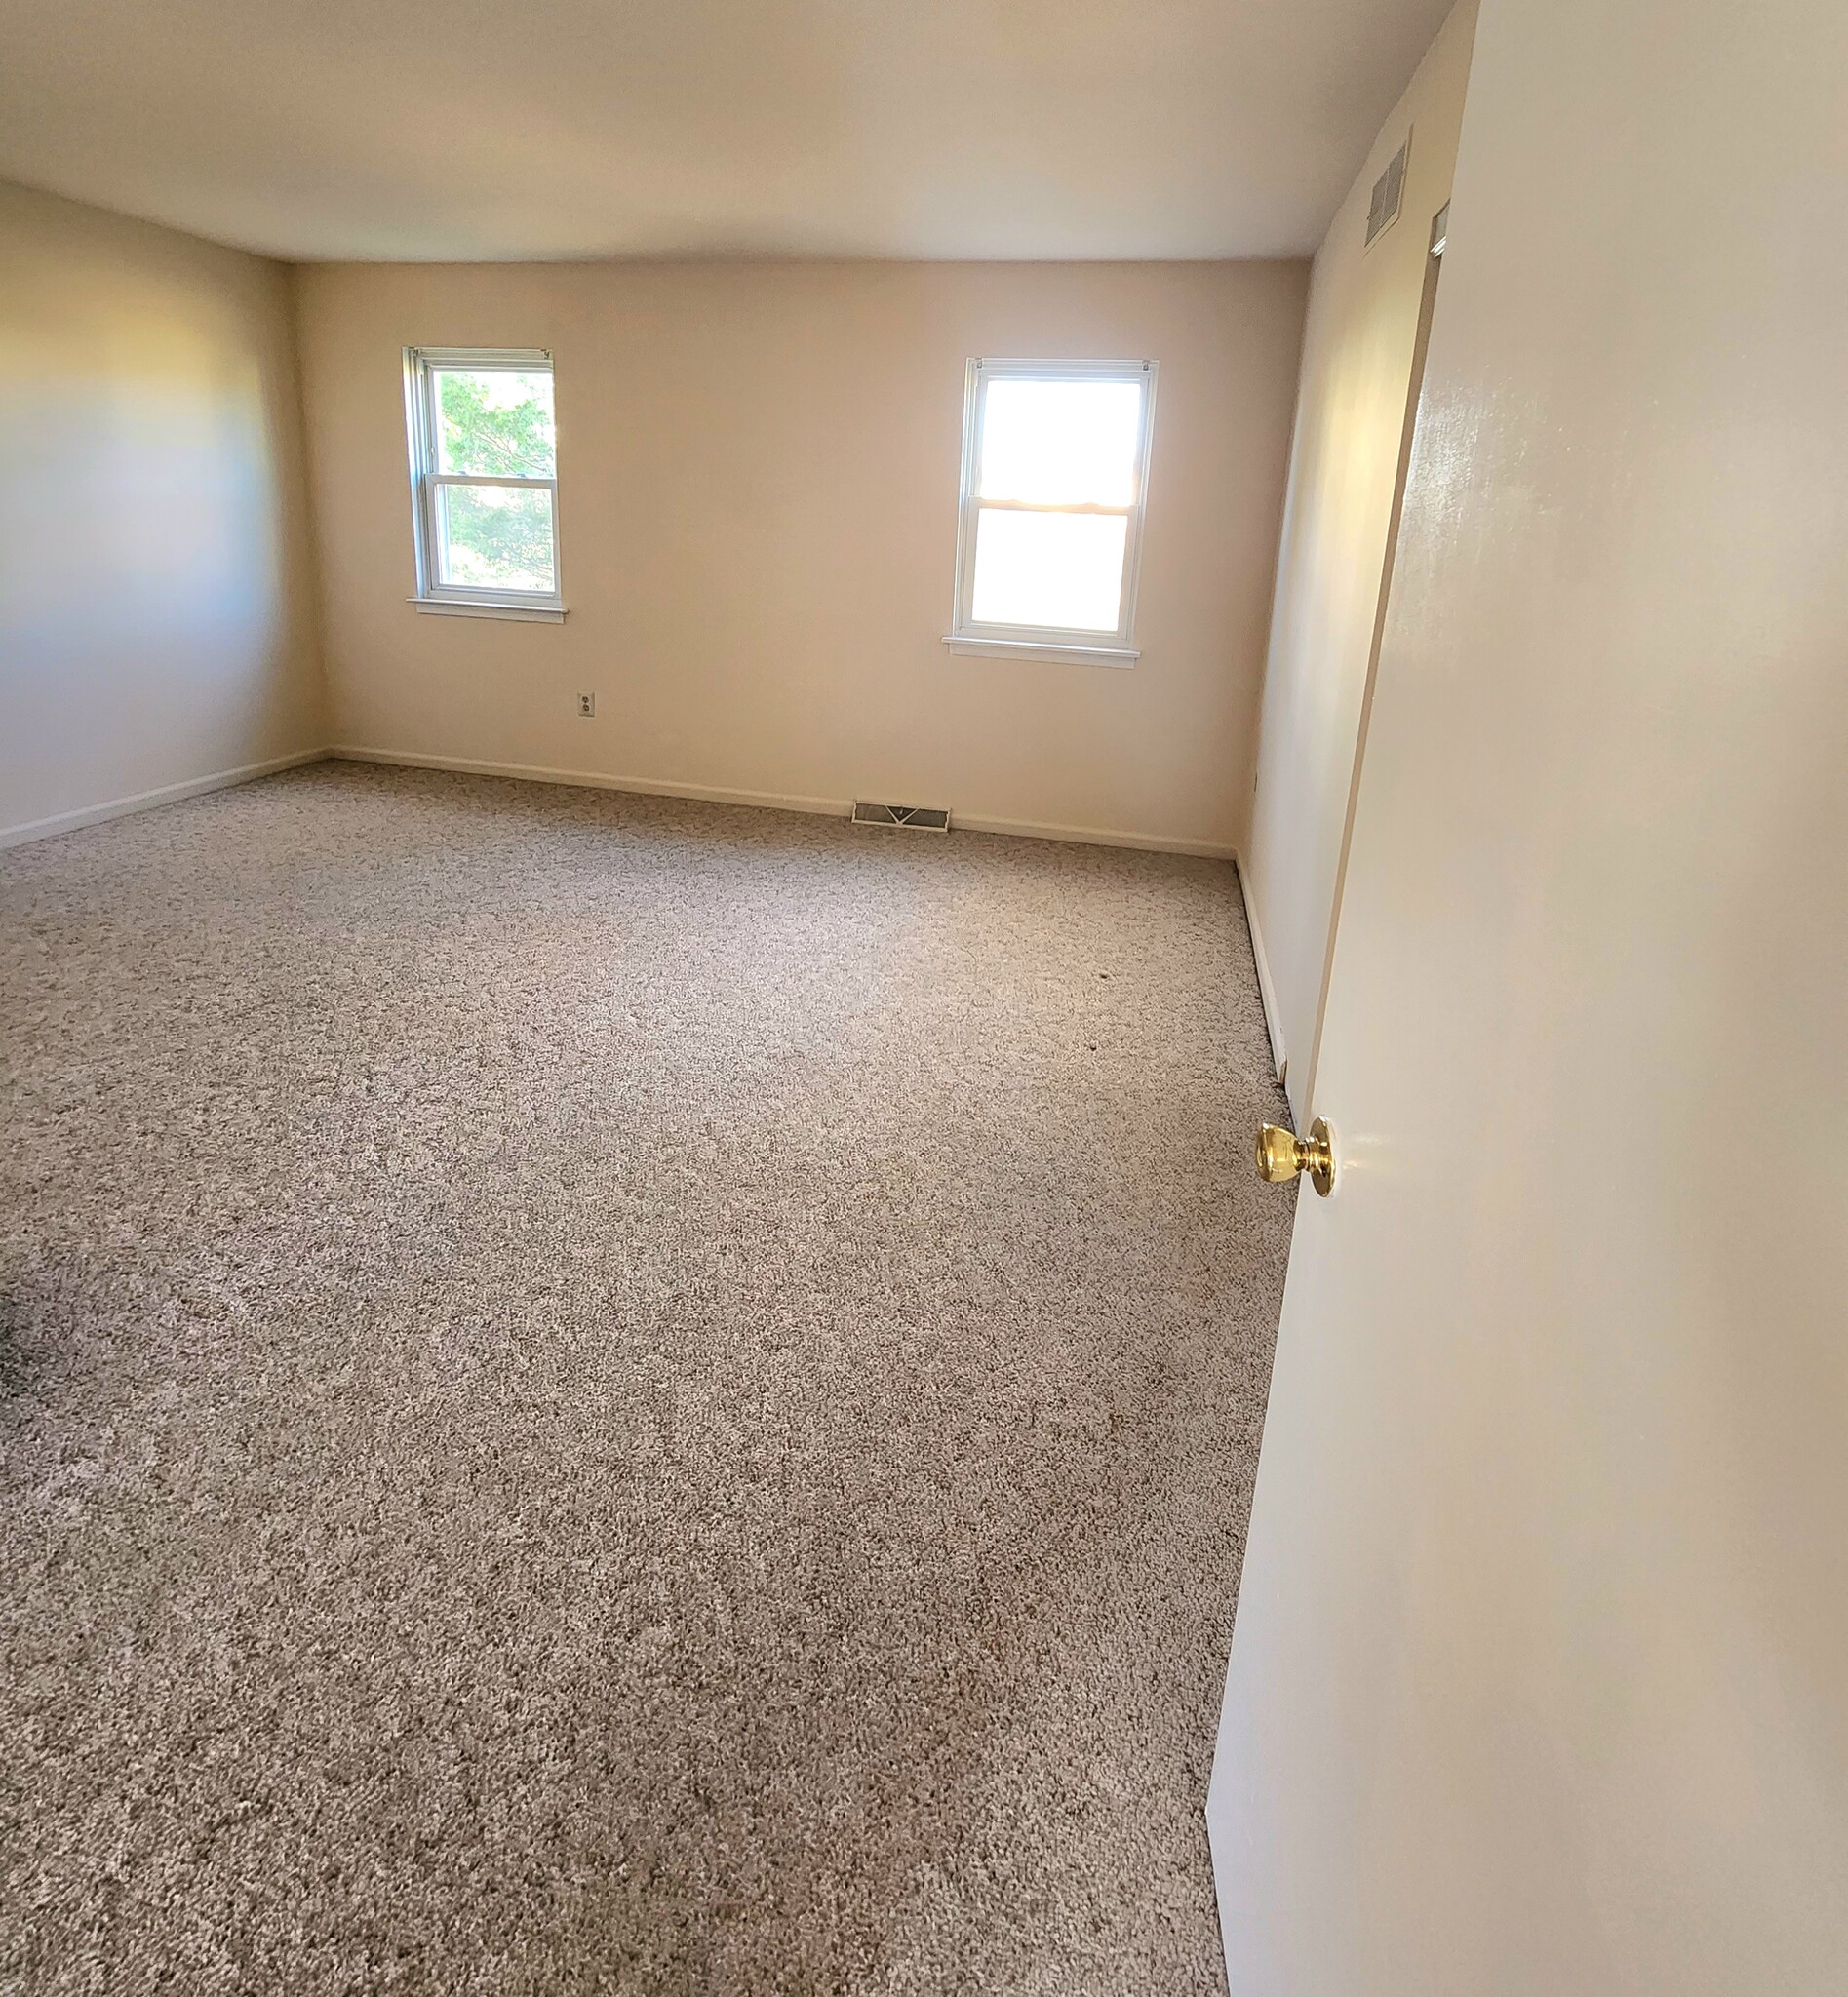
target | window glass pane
[
  {"x": 491, "y": 422},
  {"x": 494, "y": 536},
  {"x": 1061, "y": 443},
  {"x": 1060, "y": 569}
]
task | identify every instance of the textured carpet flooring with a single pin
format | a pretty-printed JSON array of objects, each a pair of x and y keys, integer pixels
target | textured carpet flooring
[{"x": 612, "y": 1394}]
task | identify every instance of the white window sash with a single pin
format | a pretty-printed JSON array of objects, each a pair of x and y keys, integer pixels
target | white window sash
[
  {"x": 489, "y": 479},
  {"x": 422, "y": 365},
  {"x": 965, "y": 630}
]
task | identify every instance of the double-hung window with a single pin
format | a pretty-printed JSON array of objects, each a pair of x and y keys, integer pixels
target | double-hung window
[
  {"x": 1055, "y": 465},
  {"x": 484, "y": 480}
]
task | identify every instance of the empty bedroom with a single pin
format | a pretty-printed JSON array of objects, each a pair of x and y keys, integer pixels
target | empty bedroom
[{"x": 683, "y": 704}]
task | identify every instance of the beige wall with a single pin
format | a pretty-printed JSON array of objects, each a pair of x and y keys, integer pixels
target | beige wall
[
  {"x": 156, "y": 610},
  {"x": 1356, "y": 364},
  {"x": 757, "y": 470}
]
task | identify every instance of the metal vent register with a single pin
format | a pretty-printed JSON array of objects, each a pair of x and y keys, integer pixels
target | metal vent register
[
  {"x": 920, "y": 817},
  {"x": 1389, "y": 191}
]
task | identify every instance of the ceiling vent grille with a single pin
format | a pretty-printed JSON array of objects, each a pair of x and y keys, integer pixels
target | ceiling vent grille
[
  {"x": 1389, "y": 193},
  {"x": 920, "y": 817}
]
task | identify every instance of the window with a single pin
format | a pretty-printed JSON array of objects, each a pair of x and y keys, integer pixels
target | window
[
  {"x": 1055, "y": 461},
  {"x": 483, "y": 481}
]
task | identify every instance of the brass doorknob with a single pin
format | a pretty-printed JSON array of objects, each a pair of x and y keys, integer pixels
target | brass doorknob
[{"x": 1282, "y": 1154}]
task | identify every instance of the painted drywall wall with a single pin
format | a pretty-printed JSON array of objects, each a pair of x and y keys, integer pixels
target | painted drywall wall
[
  {"x": 757, "y": 469},
  {"x": 1357, "y": 347},
  {"x": 157, "y": 609}
]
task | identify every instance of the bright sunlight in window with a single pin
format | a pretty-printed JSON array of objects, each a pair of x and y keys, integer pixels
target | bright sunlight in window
[{"x": 1055, "y": 455}]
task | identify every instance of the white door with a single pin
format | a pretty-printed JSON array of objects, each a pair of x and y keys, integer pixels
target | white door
[{"x": 1539, "y": 1680}]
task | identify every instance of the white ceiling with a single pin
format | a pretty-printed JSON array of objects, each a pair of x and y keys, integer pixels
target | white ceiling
[{"x": 491, "y": 128}]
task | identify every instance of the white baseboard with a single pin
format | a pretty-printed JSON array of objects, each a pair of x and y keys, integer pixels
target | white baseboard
[
  {"x": 776, "y": 800},
  {"x": 147, "y": 800},
  {"x": 1266, "y": 992},
  {"x": 1094, "y": 835},
  {"x": 594, "y": 780},
  {"x": 654, "y": 787}
]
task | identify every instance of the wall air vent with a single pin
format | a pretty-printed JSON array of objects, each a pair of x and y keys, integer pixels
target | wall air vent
[
  {"x": 1388, "y": 192},
  {"x": 920, "y": 817}
]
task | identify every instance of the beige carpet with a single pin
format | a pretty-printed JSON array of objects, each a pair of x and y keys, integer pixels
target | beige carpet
[{"x": 612, "y": 1395}]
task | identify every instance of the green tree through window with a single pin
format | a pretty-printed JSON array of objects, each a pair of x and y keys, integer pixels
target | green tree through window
[{"x": 496, "y": 423}]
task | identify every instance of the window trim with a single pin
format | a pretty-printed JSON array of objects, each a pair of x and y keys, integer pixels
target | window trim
[
  {"x": 1035, "y": 640},
  {"x": 421, "y": 364}
]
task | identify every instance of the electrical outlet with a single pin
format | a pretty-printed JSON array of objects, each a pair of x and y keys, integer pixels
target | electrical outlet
[{"x": 587, "y": 707}]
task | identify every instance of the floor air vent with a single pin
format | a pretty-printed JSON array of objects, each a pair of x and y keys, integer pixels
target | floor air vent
[{"x": 920, "y": 817}]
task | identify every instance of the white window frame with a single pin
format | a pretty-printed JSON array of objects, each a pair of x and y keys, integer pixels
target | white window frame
[
  {"x": 422, "y": 366},
  {"x": 1046, "y": 642}
]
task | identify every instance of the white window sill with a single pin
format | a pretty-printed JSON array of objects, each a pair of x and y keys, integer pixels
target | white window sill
[
  {"x": 1037, "y": 648},
  {"x": 519, "y": 614}
]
